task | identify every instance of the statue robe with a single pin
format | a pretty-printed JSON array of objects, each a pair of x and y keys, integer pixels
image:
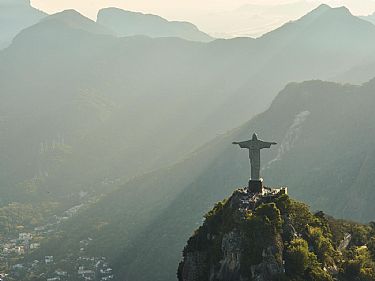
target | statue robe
[{"x": 254, "y": 147}]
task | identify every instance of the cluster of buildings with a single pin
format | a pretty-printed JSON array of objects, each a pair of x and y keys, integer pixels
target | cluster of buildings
[
  {"x": 12, "y": 248},
  {"x": 81, "y": 267},
  {"x": 94, "y": 269},
  {"x": 20, "y": 244}
]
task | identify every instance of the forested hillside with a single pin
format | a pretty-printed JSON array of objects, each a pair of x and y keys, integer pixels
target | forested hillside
[
  {"x": 316, "y": 125},
  {"x": 269, "y": 236}
]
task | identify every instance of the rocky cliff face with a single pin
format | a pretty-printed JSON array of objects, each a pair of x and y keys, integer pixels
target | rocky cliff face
[
  {"x": 216, "y": 251},
  {"x": 267, "y": 236}
]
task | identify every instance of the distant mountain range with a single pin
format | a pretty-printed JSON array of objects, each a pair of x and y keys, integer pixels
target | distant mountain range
[
  {"x": 126, "y": 23},
  {"x": 67, "y": 80},
  {"x": 81, "y": 107},
  {"x": 16, "y": 15},
  {"x": 19, "y": 14},
  {"x": 74, "y": 20}
]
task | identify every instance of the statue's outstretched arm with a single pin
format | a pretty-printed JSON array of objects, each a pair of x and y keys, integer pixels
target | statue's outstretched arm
[
  {"x": 243, "y": 144},
  {"x": 264, "y": 144}
]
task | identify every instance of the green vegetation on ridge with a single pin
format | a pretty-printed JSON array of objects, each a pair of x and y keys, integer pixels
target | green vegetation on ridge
[{"x": 311, "y": 247}]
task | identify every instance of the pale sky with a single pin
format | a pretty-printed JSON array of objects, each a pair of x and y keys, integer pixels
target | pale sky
[{"x": 221, "y": 18}]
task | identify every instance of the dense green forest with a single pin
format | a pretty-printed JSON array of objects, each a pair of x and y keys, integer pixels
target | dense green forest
[{"x": 307, "y": 246}]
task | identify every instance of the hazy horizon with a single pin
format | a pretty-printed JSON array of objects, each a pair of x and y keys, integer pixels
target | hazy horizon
[
  {"x": 218, "y": 18},
  {"x": 116, "y": 140}
]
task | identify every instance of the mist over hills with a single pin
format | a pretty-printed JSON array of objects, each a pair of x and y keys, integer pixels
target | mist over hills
[
  {"x": 82, "y": 107},
  {"x": 325, "y": 157},
  {"x": 80, "y": 87},
  {"x": 74, "y": 20},
  {"x": 127, "y": 23},
  {"x": 359, "y": 74},
  {"x": 321, "y": 23},
  {"x": 16, "y": 15}
]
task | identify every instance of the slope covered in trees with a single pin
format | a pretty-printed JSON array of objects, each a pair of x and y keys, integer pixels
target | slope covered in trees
[
  {"x": 324, "y": 155},
  {"x": 271, "y": 237}
]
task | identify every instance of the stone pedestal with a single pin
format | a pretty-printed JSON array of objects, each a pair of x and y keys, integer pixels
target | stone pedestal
[{"x": 256, "y": 186}]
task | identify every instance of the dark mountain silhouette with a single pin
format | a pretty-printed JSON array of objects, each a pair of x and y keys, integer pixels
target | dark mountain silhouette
[
  {"x": 325, "y": 156},
  {"x": 127, "y": 23},
  {"x": 16, "y": 15}
]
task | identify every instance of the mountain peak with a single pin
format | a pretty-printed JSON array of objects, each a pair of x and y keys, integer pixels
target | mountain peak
[
  {"x": 225, "y": 227},
  {"x": 322, "y": 20},
  {"x": 15, "y": 15},
  {"x": 76, "y": 20},
  {"x": 269, "y": 237},
  {"x": 69, "y": 15},
  {"x": 128, "y": 23},
  {"x": 326, "y": 9},
  {"x": 323, "y": 7}
]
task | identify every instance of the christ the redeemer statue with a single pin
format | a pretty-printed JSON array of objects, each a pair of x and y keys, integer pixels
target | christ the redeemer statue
[{"x": 254, "y": 146}]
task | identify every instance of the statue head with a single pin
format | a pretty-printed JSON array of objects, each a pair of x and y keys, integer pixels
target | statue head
[{"x": 255, "y": 137}]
